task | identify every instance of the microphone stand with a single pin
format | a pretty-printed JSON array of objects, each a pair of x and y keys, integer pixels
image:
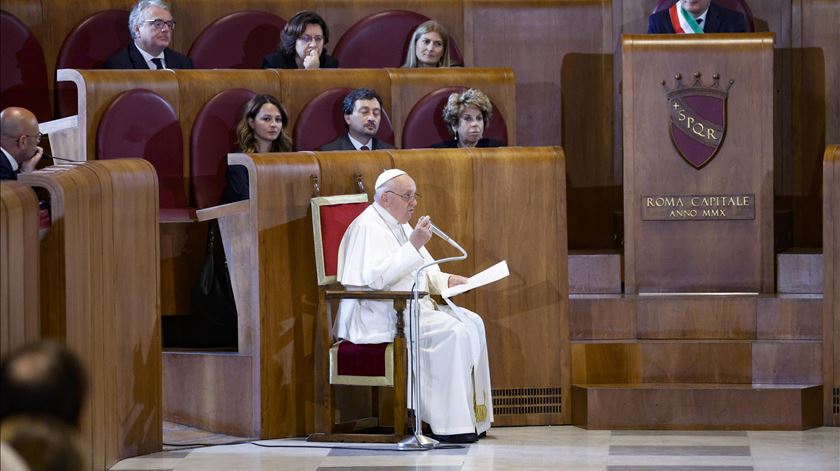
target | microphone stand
[{"x": 418, "y": 440}]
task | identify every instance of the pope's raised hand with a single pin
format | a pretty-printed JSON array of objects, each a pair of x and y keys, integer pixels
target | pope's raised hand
[{"x": 422, "y": 232}]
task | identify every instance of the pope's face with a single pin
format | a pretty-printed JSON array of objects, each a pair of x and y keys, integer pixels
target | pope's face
[
  {"x": 400, "y": 200},
  {"x": 695, "y": 7}
]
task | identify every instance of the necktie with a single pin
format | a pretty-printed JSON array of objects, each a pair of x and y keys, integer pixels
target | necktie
[
  {"x": 700, "y": 22},
  {"x": 158, "y": 63},
  {"x": 364, "y": 148}
]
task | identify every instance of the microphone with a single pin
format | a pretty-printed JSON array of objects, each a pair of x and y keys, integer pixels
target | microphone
[{"x": 436, "y": 230}]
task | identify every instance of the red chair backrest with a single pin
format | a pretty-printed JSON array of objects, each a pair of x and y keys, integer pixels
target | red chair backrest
[
  {"x": 381, "y": 40},
  {"x": 140, "y": 123},
  {"x": 738, "y": 5},
  {"x": 213, "y": 136},
  {"x": 88, "y": 46},
  {"x": 335, "y": 219},
  {"x": 321, "y": 121},
  {"x": 425, "y": 126},
  {"x": 237, "y": 41},
  {"x": 23, "y": 70}
]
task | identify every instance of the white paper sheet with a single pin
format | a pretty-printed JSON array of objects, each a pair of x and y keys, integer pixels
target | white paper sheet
[{"x": 490, "y": 275}]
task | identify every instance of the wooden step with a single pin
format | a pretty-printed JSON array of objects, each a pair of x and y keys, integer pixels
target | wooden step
[
  {"x": 733, "y": 317},
  {"x": 697, "y": 361},
  {"x": 697, "y": 406}
]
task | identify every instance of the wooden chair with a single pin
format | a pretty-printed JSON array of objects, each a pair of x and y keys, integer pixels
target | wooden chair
[{"x": 382, "y": 365}]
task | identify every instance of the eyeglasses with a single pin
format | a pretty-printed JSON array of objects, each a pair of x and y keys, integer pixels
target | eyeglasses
[
  {"x": 36, "y": 136},
  {"x": 407, "y": 198},
  {"x": 157, "y": 23},
  {"x": 307, "y": 38}
]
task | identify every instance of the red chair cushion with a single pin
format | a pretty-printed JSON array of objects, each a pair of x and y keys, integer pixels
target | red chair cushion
[
  {"x": 381, "y": 40},
  {"x": 425, "y": 126},
  {"x": 321, "y": 121},
  {"x": 334, "y": 222},
  {"x": 237, "y": 41},
  {"x": 213, "y": 136},
  {"x": 737, "y": 5},
  {"x": 23, "y": 70},
  {"x": 140, "y": 123},
  {"x": 361, "y": 359},
  {"x": 88, "y": 46}
]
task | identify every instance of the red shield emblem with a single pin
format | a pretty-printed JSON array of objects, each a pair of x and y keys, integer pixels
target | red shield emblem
[{"x": 698, "y": 121}]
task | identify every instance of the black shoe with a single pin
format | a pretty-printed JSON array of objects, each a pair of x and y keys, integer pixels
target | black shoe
[
  {"x": 456, "y": 438},
  {"x": 482, "y": 435}
]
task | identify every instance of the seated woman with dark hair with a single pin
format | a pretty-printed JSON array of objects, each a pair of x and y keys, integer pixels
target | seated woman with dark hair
[
  {"x": 302, "y": 45},
  {"x": 467, "y": 115},
  {"x": 429, "y": 46},
  {"x": 262, "y": 129}
]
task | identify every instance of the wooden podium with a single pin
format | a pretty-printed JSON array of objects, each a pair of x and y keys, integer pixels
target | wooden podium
[{"x": 698, "y": 163}]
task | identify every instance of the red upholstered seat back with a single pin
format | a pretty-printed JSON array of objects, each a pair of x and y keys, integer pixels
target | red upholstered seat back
[
  {"x": 740, "y": 6},
  {"x": 381, "y": 40},
  {"x": 335, "y": 219},
  {"x": 424, "y": 124},
  {"x": 23, "y": 70},
  {"x": 321, "y": 121},
  {"x": 213, "y": 136},
  {"x": 362, "y": 359},
  {"x": 140, "y": 123},
  {"x": 237, "y": 41},
  {"x": 88, "y": 46}
]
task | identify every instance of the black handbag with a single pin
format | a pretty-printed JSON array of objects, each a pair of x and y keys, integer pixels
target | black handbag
[{"x": 212, "y": 294}]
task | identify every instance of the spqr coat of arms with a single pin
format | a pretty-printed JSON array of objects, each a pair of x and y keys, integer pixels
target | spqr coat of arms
[{"x": 698, "y": 119}]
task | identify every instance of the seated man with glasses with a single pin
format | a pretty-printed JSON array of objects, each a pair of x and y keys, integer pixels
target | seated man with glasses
[
  {"x": 362, "y": 113},
  {"x": 302, "y": 45},
  {"x": 381, "y": 251},
  {"x": 151, "y": 26},
  {"x": 19, "y": 139}
]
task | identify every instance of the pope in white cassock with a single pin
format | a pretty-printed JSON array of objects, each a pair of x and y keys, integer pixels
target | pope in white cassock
[{"x": 380, "y": 251}]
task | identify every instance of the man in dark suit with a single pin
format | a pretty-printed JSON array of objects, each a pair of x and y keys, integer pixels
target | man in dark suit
[
  {"x": 151, "y": 26},
  {"x": 19, "y": 139},
  {"x": 696, "y": 16},
  {"x": 362, "y": 113}
]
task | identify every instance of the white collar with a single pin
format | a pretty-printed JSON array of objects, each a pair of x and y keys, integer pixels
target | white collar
[
  {"x": 12, "y": 160},
  {"x": 148, "y": 57},
  {"x": 391, "y": 221},
  {"x": 358, "y": 145}
]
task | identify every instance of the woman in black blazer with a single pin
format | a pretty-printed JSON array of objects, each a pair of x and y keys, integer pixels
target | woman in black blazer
[{"x": 302, "y": 45}]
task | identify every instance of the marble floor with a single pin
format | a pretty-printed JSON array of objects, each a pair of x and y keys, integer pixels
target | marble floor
[{"x": 512, "y": 448}]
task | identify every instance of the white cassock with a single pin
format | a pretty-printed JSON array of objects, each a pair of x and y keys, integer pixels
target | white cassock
[{"x": 375, "y": 254}]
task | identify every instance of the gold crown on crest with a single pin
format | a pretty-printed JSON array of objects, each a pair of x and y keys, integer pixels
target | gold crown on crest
[{"x": 697, "y": 87}]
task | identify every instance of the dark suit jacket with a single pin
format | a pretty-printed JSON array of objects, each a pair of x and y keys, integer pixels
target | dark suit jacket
[
  {"x": 279, "y": 60},
  {"x": 343, "y": 143},
  {"x": 483, "y": 142},
  {"x": 6, "y": 172},
  {"x": 718, "y": 20},
  {"x": 130, "y": 58}
]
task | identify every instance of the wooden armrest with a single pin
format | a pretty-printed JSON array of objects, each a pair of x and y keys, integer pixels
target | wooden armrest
[
  {"x": 385, "y": 295},
  {"x": 216, "y": 212}
]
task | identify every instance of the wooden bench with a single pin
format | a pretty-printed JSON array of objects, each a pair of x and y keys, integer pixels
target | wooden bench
[{"x": 99, "y": 285}]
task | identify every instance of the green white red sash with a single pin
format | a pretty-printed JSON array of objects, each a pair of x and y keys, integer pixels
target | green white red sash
[{"x": 682, "y": 21}]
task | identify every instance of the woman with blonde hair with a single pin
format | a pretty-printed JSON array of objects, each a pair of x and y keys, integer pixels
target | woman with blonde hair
[
  {"x": 262, "y": 129},
  {"x": 467, "y": 115},
  {"x": 429, "y": 46}
]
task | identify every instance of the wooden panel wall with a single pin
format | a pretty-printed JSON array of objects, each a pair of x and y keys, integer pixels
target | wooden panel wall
[
  {"x": 568, "y": 76},
  {"x": 19, "y": 263},
  {"x": 831, "y": 290}
]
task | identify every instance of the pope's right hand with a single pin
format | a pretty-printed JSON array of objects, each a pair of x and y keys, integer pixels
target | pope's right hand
[{"x": 422, "y": 232}]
